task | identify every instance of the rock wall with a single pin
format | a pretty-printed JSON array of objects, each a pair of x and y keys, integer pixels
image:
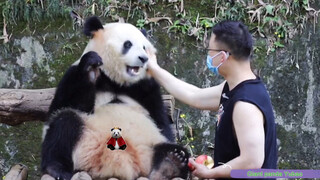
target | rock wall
[
  {"x": 38, "y": 59},
  {"x": 292, "y": 76}
]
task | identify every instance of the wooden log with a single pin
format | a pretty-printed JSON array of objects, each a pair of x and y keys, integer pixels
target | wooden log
[
  {"x": 22, "y": 105},
  {"x": 17, "y": 172}
]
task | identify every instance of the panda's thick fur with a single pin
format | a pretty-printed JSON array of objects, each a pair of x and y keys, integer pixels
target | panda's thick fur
[{"x": 109, "y": 87}]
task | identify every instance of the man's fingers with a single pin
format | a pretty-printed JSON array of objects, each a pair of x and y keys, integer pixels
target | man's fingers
[
  {"x": 149, "y": 52},
  {"x": 193, "y": 163}
]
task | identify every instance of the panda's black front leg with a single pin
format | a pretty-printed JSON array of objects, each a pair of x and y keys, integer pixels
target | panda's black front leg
[
  {"x": 89, "y": 64},
  {"x": 169, "y": 161},
  {"x": 76, "y": 91},
  {"x": 77, "y": 88}
]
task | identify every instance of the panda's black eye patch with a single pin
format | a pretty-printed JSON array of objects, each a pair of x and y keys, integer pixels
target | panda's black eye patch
[{"x": 126, "y": 46}]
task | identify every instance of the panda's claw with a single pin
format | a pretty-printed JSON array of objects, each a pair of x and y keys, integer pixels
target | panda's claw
[
  {"x": 177, "y": 158},
  {"x": 182, "y": 153}
]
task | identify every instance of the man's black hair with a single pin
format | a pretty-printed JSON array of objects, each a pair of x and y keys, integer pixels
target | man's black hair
[{"x": 236, "y": 37}]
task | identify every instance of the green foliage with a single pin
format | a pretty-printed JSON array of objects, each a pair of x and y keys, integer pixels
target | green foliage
[
  {"x": 206, "y": 23},
  {"x": 178, "y": 26},
  {"x": 33, "y": 10},
  {"x": 140, "y": 23},
  {"x": 188, "y": 139},
  {"x": 277, "y": 21}
]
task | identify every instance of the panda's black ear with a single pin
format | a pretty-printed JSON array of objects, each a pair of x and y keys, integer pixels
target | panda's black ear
[
  {"x": 120, "y": 129},
  {"x": 112, "y": 129},
  {"x": 91, "y": 25},
  {"x": 144, "y": 32}
]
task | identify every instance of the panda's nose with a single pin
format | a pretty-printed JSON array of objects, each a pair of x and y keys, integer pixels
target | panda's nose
[{"x": 143, "y": 59}]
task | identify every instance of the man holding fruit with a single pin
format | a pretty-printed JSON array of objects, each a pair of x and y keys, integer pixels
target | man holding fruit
[{"x": 245, "y": 129}]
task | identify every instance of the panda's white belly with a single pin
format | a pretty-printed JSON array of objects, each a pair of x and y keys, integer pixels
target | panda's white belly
[{"x": 138, "y": 131}]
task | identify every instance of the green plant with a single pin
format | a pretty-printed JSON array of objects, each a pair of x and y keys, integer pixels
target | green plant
[
  {"x": 278, "y": 44},
  {"x": 178, "y": 26},
  {"x": 264, "y": 18},
  {"x": 206, "y": 23},
  {"x": 140, "y": 23}
]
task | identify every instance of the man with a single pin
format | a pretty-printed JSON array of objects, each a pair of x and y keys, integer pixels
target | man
[{"x": 245, "y": 131}]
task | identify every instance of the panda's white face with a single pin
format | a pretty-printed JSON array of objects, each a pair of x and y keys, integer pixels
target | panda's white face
[
  {"x": 116, "y": 133},
  {"x": 122, "y": 48}
]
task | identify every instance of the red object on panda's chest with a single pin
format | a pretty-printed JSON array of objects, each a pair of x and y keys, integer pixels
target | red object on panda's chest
[{"x": 112, "y": 143}]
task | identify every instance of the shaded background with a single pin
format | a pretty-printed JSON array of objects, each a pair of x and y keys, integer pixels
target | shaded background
[{"x": 40, "y": 41}]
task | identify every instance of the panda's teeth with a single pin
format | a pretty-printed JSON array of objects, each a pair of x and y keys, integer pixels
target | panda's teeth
[{"x": 133, "y": 70}]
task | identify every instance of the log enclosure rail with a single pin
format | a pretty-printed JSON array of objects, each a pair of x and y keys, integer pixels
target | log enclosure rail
[{"x": 22, "y": 105}]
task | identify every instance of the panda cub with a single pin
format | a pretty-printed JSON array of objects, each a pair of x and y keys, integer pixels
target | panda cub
[{"x": 109, "y": 87}]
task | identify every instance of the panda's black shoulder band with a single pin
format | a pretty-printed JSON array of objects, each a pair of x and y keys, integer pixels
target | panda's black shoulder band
[{"x": 91, "y": 25}]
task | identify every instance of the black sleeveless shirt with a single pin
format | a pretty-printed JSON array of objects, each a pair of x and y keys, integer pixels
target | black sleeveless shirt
[{"x": 226, "y": 144}]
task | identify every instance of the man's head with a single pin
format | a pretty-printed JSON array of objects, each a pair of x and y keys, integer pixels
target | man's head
[{"x": 232, "y": 37}]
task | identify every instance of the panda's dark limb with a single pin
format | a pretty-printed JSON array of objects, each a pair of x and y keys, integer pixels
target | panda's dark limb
[
  {"x": 153, "y": 102},
  {"x": 89, "y": 64},
  {"x": 147, "y": 93},
  {"x": 77, "y": 87},
  {"x": 169, "y": 161},
  {"x": 64, "y": 132}
]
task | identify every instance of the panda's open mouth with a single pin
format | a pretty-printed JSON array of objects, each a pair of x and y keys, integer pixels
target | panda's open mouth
[{"x": 133, "y": 70}]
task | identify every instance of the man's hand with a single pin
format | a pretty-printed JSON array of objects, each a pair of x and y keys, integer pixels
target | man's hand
[
  {"x": 152, "y": 62},
  {"x": 200, "y": 170}
]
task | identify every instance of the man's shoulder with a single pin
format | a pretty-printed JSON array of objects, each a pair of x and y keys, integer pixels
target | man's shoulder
[{"x": 254, "y": 88}]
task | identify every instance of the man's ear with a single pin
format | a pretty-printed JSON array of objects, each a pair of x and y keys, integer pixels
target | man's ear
[{"x": 225, "y": 56}]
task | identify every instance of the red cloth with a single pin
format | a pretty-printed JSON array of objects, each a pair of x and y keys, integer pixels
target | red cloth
[{"x": 113, "y": 141}]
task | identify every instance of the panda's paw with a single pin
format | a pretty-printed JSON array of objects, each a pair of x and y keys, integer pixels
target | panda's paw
[
  {"x": 170, "y": 161},
  {"x": 91, "y": 60},
  {"x": 178, "y": 157},
  {"x": 89, "y": 64},
  {"x": 81, "y": 176}
]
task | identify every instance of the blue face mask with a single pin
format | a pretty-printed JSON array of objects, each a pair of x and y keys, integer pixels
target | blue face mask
[{"x": 214, "y": 69}]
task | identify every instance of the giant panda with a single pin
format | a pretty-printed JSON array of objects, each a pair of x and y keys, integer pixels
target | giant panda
[{"x": 110, "y": 87}]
